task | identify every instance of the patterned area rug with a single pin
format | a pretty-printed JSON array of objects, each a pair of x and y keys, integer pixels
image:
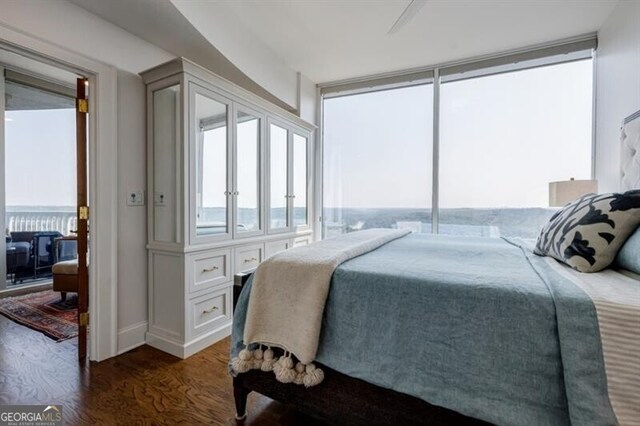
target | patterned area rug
[{"x": 44, "y": 312}]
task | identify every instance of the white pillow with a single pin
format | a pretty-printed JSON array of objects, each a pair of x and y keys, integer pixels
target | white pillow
[{"x": 587, "y": 233}]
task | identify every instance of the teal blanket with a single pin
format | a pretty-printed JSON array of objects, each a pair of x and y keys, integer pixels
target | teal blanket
[{"x": 480, "y": 326}]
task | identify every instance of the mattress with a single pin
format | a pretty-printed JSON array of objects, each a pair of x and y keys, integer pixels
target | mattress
[{"x": 477, "y": 325}]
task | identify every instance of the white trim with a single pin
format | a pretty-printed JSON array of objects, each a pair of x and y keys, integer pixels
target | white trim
[
  {"x": 318, "y": 218},
  {"x": 3, "y": 241},
  {"x": 435, "y": 152},
  {"x": 271, "y": 121},
  {"x": 518, "y": 66},
  {"x": 409, "y": 74},
  {"x": 103, "y": 174},
  {"x": 193, "y": 88},
  {"x": 298, "y": 92},
  {"x": 309, "y": 180},
  {"x": 594, "y": 111},
  {"x": 261, "y": 117},
  {"x": 20, "y": 289},
  {"x": 185, "y": 350},
  {"x": 131, "y": 337}
]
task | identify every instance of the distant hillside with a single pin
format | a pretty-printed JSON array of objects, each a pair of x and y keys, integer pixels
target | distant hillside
[{"x": 519, "y": 222}]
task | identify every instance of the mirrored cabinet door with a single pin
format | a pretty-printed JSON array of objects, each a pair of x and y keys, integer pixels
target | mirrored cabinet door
[
  {"x": 212, "y": 189},
  {"x": 278, "y": 188},
  {"x": 300, "y": 180},
  {"x": 247, "y": 191}
]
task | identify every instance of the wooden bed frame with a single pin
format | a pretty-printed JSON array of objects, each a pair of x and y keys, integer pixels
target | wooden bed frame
[{"x": 341, "y": 399}]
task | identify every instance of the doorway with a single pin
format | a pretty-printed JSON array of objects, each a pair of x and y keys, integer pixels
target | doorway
[
  {"x": 23, "y": 50},
  {"x": 43, "y": 273}
]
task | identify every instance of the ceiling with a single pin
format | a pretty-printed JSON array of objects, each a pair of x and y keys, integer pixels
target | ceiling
[
  {"x": 161, "y": 24},
  {"x": 334, "y": 40}
]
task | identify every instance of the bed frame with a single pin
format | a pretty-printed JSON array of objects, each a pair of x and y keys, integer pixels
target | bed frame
[{"x": 341, "y": 399}]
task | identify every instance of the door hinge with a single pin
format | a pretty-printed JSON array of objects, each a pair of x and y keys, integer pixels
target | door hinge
[
  {"x": 83, "y": 318},
  {"x": 83, "y": 105},
  {"x": 83, "y": 213}
]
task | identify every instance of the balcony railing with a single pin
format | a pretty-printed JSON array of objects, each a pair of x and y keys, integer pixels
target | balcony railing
[{"x": 63, "y": 222}]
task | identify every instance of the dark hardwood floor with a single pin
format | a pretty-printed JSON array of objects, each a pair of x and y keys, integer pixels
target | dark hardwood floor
[{"x": 142, "y": 387}]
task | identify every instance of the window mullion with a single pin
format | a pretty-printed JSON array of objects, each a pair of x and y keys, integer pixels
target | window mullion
[{"x": 436, "y": 152}]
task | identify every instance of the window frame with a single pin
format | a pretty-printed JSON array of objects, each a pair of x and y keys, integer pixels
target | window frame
[{"x": 560, "y": 52}]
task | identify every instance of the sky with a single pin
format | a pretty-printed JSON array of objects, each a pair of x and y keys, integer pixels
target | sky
[
  {"x": 40, "y": 157},
  {"x": 503, "y": 138}
]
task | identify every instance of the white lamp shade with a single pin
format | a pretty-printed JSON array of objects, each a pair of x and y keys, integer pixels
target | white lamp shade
[{"x": 562, "y": 192}]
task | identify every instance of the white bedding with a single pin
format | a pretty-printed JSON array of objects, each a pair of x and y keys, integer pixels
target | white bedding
[
  {"x": 616, "y": 297},
  {"x": 283, "y": 314}
]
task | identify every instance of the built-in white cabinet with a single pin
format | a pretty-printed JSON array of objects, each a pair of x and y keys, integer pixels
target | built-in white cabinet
[
  {"x": 275, "y": 247},
  {"x": 229, "y": 184}
]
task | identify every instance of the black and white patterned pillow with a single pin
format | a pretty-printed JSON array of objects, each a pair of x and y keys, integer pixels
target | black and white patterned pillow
[{"x": 587, "y": 233}]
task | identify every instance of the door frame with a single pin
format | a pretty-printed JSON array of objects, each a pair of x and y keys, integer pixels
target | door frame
[{"x": 102, "y": 172}]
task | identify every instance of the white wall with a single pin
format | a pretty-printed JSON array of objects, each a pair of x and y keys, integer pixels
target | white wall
[
  {"x": 217, "y": 22},
  {"x": 308, "y": 100},
  {"x": 66, "y": 25},
  {"x": 618, "y": 87},
  {"x": 132, "y": 220}
]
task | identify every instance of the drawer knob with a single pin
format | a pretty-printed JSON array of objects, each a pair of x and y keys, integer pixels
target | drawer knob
[
  {"x": 208, "y": 311},
  {"x": 253, "y": 259}
]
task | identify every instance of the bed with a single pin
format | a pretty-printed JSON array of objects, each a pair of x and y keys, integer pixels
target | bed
[{"x": 483, "y": 331}]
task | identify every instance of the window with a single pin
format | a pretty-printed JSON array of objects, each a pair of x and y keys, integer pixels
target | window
[
  {"x": 377, "y": 160},
  {"x": 40, "y": 160},
  {"x": 503, "y": 137}
]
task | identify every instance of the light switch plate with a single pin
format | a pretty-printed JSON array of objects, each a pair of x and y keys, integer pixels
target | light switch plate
[
  {"x": 160, "y": 199},
  {"x": 135, "y": 198}
]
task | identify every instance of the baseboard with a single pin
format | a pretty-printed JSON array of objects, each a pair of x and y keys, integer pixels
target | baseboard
[
  {"x": 131, "y": 337},
  {"x": 20, "y": 289},
  {"x": 187, "y": 349},
  {"x": 196, "y": 345}
]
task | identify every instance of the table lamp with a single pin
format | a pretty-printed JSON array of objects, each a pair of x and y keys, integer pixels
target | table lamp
[{"x": 564, "y": 191}]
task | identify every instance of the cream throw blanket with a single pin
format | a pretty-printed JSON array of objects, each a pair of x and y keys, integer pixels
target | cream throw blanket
[{"x": 289, "y": 290}]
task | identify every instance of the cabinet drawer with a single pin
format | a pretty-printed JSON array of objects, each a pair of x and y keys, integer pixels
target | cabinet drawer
[
  {"x": 209, "y": 311},
  {"x": 302, "y": 241},
  {"x": 248, "y": 257},
  {"x": 209, "y": 269},
  {"x": 273, "y": 247}
]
